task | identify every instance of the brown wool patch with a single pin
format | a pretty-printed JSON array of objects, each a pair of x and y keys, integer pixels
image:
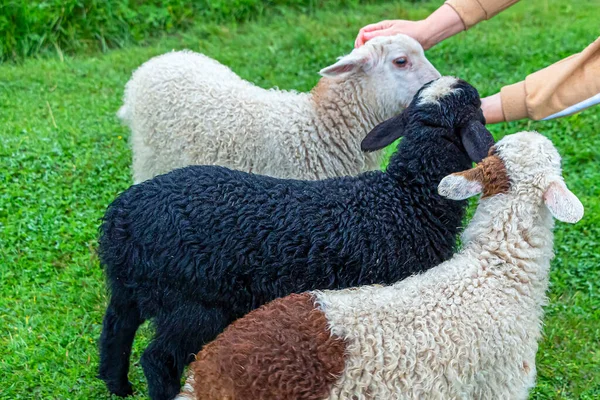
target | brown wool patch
[
  {"x": 320, "y": 91},
  {"x": 491, "y": 173},
  {"x": 494, "y": 177},
  {"x": 283, "y": 350}
]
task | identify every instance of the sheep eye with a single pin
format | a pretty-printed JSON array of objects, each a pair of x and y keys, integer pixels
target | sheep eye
[{"x": 400, "y": 61}]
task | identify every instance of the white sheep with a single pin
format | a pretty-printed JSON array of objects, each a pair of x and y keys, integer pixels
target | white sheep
[
  {"x": 185, "y": 108},
  {"x": 466, "y": 329}
]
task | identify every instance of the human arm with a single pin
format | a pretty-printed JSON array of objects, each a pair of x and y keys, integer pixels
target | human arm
[
  {"x": 452, "y": 17},
  {"x": 440, "y": 25},
  {"x": 471, "y": 12},
  {"x": 561, "y": 89}
]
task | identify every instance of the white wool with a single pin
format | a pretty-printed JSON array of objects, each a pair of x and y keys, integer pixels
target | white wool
[
  {"x": 457, "y": 187},
  {"x": 468, "y": 328},
  {"x": 185, "y": 108},
  {"x": 438, "y": 89}
]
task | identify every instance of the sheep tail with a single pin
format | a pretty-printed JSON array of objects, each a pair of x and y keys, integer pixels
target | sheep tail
[{"x": 123, "y": 113}]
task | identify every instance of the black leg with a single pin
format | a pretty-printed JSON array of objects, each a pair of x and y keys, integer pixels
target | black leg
[
  {"x": 178, "y": 338},
  {"x": 118, "y": 331}
]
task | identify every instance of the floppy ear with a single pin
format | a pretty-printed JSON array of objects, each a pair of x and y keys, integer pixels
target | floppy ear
[
  {"x": 562, "y": 203},
  {"x": 477, "y": 140},
  {"x": 384, "y": 133},
  {"x": 345, "y": 66},
  {"x": 462, "y": 185}
]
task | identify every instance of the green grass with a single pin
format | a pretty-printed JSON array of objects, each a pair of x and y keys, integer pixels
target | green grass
[
  {"x": 64, "y": 157},
  {"x": 29, "y": 28}
]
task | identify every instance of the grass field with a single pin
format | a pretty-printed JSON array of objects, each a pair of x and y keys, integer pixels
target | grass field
[
  {"x": 64, "y": 157},
  {"x": 38, "y": 27}
]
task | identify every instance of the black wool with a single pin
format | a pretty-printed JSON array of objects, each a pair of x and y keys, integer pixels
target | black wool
[{"x": 194, "y": 249}]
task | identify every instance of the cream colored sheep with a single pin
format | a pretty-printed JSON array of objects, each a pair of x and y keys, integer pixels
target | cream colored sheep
[
  {"x": 185, "y": 108},
  {"x": 466, "y": 329}
]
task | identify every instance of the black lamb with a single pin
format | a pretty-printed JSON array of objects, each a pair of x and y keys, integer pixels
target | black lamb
[{"x": 201, "y": 246}]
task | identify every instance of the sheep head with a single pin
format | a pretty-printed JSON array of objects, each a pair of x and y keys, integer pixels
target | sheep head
[
  {"x": 447, "y": 107},
  {"x": 388, "y": 71},
  {"x": 525, "y": 163}
]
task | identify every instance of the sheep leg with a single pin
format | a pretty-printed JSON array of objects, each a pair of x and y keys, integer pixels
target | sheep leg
[
  {"x": 121, "y": 321},
  {"x": 178, "y": 338}
]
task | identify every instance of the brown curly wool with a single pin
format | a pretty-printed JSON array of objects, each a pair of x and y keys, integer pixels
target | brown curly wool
[
  {"x": 283, "y": 350},
  {"x": 491, "y": 173},
  {"x": 495, "y": 179}
]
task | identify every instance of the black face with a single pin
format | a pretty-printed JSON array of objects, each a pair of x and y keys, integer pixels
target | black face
[
  {"x": 460, "y": 106},
  {"x": 467, "y": 94},
  {"x": 458, "y": 113}
]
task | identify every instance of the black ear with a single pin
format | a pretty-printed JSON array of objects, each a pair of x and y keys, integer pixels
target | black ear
[
  {"x": 384, "y": 133},
  {"x": 477, "y": 140}
]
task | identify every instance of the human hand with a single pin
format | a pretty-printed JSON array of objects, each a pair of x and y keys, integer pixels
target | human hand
[
  {"x": 389, "y": 28},
  {"x": 441, "y": 24},
  {"x": 492, "y": 109}
]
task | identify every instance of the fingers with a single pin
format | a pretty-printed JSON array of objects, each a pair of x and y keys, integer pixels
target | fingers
[
  {"x": 377, "y": 26},
  {"x": 364, "y": 37},
  {"x": 383, "y": 32},
  {"x": 359, "y": 41},
  {"x": 360, "y": 38}
]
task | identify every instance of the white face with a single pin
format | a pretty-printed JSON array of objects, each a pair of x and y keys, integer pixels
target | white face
[
  {"x": 401, "y": 71},
  {"x": 532, "y": 164},
  {"x": 529, "y": 156},
  {"x": 394, "y": 67}
]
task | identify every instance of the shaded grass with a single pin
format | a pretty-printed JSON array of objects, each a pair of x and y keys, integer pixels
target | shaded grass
[
  {"x": 29, "y": 28},
  {"x": 64, "y": 157}
]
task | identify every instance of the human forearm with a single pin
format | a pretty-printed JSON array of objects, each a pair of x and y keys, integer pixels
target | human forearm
[
  {"x": 492, "y": 109},
  {"x": 472, "y": 12},
  {"x": 564, "y": 88},
  {"x": 441, "y": 24},
  {"x": 451, "y": 18}
]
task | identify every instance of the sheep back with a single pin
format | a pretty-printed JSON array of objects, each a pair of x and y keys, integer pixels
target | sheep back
[
  {"x": 235, "y": 240},
  {"x": 184, "y": 108}
]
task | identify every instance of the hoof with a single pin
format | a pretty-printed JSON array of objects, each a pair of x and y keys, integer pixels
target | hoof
[
  {"x": 123, "y": 391},
  {"x": 120, "y": 389}
]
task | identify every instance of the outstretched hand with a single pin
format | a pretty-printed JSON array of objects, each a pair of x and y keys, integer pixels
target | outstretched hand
[
  {"x": 441, "y": 24},
  {"x": 390, "y": 28}
]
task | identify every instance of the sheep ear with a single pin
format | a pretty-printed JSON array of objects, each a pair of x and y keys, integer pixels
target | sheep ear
[
  {"x": 477, "y": 140},
  {"x": 562, "y": 203},
  {"x": 384, "y": 133},
  {"x": 345, "y": 66},
  {"x": 461, "y": 185}
]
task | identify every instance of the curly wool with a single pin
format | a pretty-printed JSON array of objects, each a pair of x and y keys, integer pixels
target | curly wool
[
  {"x": 201, "y": 246},
  {"x": 185, "y": 108},
  {"x": 466, "y": 329},
  {"x": 285, "y": 334}
]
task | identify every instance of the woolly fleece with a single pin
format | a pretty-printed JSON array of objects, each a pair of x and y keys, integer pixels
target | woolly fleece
[
  {"x": 201, "y": 246},
  {"x": 468, "y": 328},
  {"x": 185, "y": 108},
  {"x": 264, "y": 356}
]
